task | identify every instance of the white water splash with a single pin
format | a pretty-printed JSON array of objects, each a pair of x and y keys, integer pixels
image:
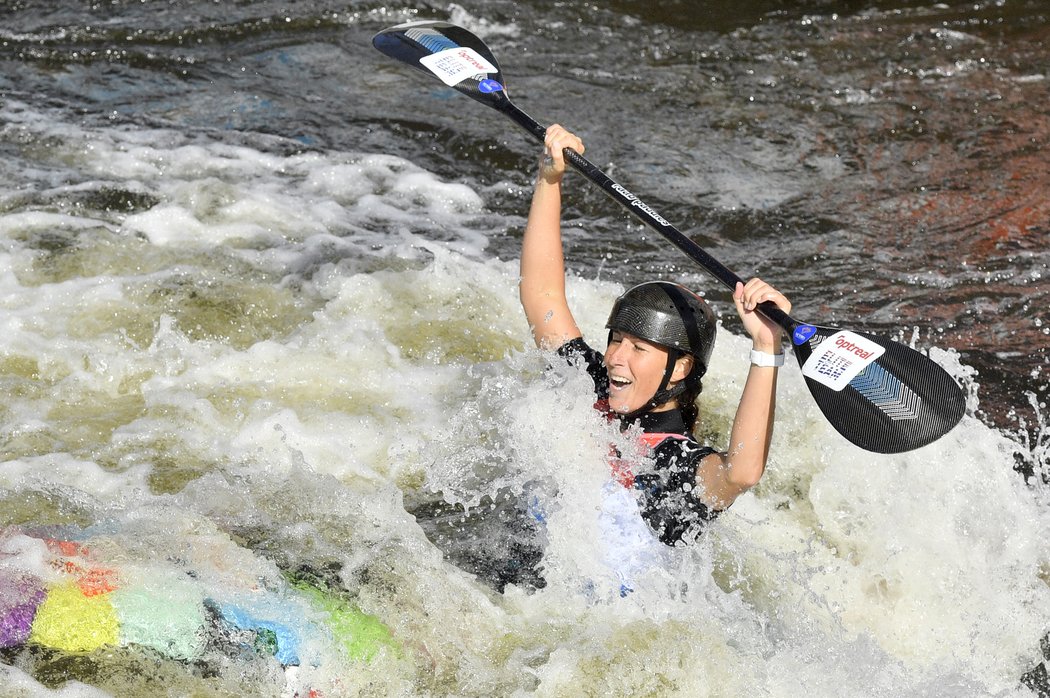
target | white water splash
[{"x": 327, "y": 360}]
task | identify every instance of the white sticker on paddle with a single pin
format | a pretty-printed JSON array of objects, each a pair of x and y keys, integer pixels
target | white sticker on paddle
[
  {"x": 839, "y": 358},
  {"x": 454, "y": 65}
]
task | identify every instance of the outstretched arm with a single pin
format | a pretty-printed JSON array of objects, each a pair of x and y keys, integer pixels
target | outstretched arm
[
  {"x": 725, "y": 476},
  {"x": 542, "y": 288}
]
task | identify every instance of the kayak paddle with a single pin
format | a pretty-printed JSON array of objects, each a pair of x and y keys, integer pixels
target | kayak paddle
[{"x": 881, "y": 395}]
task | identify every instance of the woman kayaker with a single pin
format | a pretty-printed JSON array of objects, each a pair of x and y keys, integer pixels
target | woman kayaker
[{"x": 660, "y": 340}]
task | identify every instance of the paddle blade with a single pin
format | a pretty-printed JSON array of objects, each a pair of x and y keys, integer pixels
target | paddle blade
[
  {"x": 450, "y": 53},
  {"x": 881, "y": 395}
]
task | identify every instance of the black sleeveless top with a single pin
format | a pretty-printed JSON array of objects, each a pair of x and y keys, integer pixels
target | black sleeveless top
[{"x": 666, "y": 488}]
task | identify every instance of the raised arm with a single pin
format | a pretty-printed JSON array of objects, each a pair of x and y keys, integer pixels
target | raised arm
[
  {"x": 542, "y": 288},
  {"x": 725, "y": 476}
]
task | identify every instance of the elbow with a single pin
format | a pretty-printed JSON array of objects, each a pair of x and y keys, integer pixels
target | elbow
[{"x": 744, "y": 478}]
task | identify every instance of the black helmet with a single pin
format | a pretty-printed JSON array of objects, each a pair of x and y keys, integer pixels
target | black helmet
[{"x": 670, "y": 315}]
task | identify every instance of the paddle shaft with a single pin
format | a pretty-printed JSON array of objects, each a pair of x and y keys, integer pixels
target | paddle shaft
[{"x": 645, "y": 213}]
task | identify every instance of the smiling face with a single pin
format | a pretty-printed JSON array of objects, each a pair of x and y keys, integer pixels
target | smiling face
[{"x": 636, "y": 368}]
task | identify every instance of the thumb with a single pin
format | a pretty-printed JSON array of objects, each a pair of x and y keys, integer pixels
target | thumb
[{"x": 738, "y": 295}]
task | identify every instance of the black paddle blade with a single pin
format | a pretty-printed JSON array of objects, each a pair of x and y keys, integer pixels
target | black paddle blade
[
  {"x": 450, "y": 53},
  {"x": 881, "y": 395}
]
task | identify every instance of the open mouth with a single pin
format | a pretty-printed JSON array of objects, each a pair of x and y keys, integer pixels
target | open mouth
[{"x": 619, "y": 382}]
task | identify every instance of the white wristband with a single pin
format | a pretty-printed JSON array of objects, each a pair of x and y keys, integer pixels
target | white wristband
[{"x": 761, "y": 358}]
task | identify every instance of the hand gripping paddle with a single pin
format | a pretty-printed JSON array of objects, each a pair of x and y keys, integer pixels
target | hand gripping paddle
[{"x": 881, "y": 395}]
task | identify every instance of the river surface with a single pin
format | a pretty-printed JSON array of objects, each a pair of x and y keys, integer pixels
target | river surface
[{"x": 260, "y": 338}]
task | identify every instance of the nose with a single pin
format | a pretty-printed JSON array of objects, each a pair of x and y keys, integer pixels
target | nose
[{"x": 613, "y": 354}]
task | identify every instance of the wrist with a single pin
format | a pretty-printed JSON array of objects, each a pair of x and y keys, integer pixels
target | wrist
[{"x": 762, "y": 358}]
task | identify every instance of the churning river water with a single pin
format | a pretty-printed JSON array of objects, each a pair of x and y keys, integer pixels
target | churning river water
[{"x": 261, "y": 348}]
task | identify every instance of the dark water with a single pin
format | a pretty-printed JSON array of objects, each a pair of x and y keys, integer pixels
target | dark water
[{"x": 883, "y": 162}]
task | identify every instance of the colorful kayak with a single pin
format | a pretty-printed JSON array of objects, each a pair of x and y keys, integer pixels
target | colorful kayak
[{"x": 77, "y": 603}]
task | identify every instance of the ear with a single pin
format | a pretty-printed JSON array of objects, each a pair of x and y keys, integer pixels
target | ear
[{"x": 682, "y": 366}]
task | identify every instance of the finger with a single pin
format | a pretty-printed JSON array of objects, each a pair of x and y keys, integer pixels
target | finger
[
  {"x": 559, "y": 145},
  {"x": 757, "y": 291},
  {"x": 556, "y": 139},
  {"x": 738, "y": 294},
  {"x": 751, "y": 291},
  {"x": 761, "y": 296},
  {"x": 768, "y": 293},
  {"x": 553, "y": 133}
]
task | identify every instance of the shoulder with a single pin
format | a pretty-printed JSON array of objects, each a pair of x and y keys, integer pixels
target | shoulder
[
  {"x": 577, "y": 352},
  {"x": 577, "y": 348}
]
